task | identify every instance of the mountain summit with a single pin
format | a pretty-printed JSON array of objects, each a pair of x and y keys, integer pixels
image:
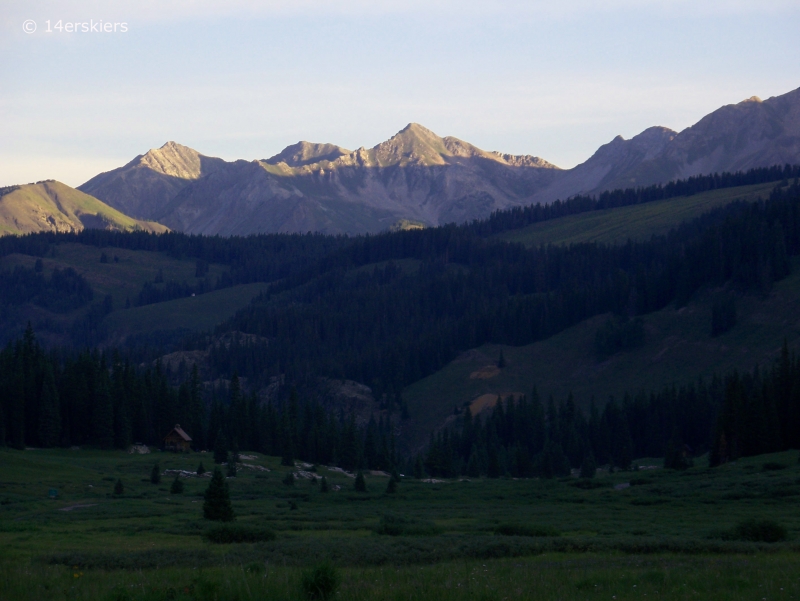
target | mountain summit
[{"x": 149, "y": 181}]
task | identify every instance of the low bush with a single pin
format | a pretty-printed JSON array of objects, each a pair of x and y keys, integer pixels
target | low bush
[
  {"x": 392, "y": 524},
  {"x": 586, "y": 484},
  {"x": 238, "y": 533},
  {"x": 758, "y": 531},
  {"x": 772, "y": 466},
  {"x": 321, "y": 582},
  {"x": 525, "y": 530}
]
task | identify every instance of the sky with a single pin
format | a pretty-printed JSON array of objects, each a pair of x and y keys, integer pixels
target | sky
[{"x": 242, "y": 79}]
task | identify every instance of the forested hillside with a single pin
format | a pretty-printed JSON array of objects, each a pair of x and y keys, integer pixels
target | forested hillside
[{"x": 387, "y": 311}]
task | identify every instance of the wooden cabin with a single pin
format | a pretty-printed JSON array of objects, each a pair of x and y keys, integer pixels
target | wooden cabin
[{"x": 177, "y": 440}]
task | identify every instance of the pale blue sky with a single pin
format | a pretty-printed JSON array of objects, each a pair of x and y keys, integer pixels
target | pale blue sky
[{"x": 243, "y": 79}]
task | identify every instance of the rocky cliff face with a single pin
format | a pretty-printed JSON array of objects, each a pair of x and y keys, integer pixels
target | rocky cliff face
[{"x": 420, "y": 177}]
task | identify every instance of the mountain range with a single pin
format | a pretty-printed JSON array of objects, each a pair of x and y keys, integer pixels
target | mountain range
[{"x": 419, "y": 178}]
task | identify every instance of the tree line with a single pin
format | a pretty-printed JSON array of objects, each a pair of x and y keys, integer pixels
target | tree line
[
  {"x": 738, "y": 415},
  {"x": 64, "y": 398},
  {"x": 50, "y": 399}
]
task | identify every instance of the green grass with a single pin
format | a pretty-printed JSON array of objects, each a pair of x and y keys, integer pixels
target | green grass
[
  {"x": 27, "y": 209},
  {"x": 197, "y": 313},
  {"x": 124, "y": 278},
  {"x": 678, "y": 349},
  {"x": 584, "y": 543},
  {"x": 636, "y": 222}
]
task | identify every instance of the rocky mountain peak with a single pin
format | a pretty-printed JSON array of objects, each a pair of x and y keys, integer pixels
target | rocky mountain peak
[
  {"x": 175, "y": 160},
  {"x": 412, "y": 144},
  {"x": 307, "y": 153}
]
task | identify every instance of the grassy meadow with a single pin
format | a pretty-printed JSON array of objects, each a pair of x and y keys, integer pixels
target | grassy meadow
[
  {"x": 647, "y": 532},
  {"x": 637, "y": 222}
]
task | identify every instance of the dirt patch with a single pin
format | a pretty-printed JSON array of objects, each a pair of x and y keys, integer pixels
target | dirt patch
[
  {"x": 487, "y": 401},
  {"x": 71, "y": 507},
  {"x": 485, "y": 373}
]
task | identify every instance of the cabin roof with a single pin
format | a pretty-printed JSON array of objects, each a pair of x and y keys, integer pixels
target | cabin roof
[{"x": 179, "y": 431}]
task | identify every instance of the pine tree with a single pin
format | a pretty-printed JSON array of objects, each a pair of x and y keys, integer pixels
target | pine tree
[
  {"x": 119, "y": 489},
  {"x": 49, "y": 411},
  {"x": 102, "y": 409},
  {"x": 289, "y": 479},
  {"x": 155, "y": 474},
  {"x": 220, "y": 448},
  {"x": 419, "y": 470},
  {"x": 391, "y": 487},
  {"x": 217, "y": 504},
  {"x": 473, "y": 471},
  {"x": 360, "y": 483},
  {"x": 200, "y": 469},
  {"x": 231, "y": 471},
  {"x": 589, "y": 466},
  {"x": 323, "y": 487},
  {"x": 177, "y": 486}
]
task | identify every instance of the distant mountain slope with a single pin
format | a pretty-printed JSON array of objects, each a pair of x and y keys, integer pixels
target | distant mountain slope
[
  {"x": 420, "y": 177},
  {"x": 149, "y": 181},
  {"x": 735, "y": 137},
  {"x": 53, "y": 206}
]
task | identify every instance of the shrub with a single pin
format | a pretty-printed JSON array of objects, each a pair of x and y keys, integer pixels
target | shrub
[
  {"x": 392, "y": 524},
  {"x": 772, "y": 466},
  {"x": 758, "y": 531},
  {"x": 323, "y": 487},
  {"x": 200, "y": 469},
  {"x": 289, "y": 479},
  {"x": 177, "y": 486},
  {"x": 391, "y": 488},
  {"x": 155, "y": 474},
  {"x": 238, "y": 533},
  {"x": 321, "y": 582},
  {"x": 525, "y": 530},
  {"x": 119, "y": 488}
]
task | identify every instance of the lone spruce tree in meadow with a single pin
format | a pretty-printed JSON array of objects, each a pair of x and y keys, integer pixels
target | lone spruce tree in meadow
[
  {"x": 119, "y": 489},
  {"x": 323, "y": 487},
  {"x": 177, "y": 486},
  {"x": 217, "y": 505},
  {"x": 360, "y": 484}
]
